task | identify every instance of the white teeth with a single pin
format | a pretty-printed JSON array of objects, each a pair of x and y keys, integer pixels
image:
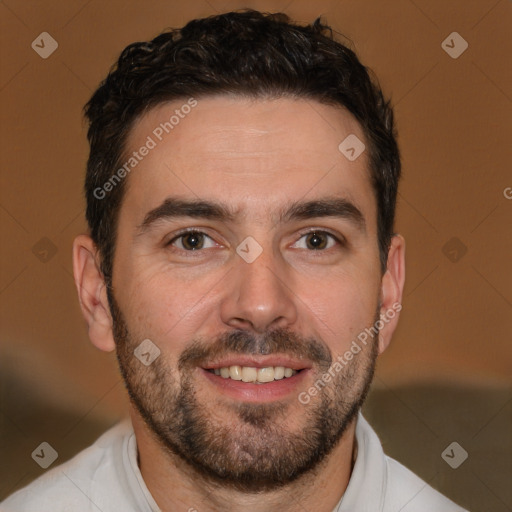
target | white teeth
[
  {"x": 279, "y": 372},
  {"x": 251, "y": 374},
  {"x": 266, "y": 374},
  {"x": 235, "y": 372}
]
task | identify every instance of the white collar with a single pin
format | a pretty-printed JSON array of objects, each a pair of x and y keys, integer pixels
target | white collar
[{"x": 368, "y": 475}]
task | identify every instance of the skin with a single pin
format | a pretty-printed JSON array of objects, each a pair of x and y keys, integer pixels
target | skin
[{"x": 256, "y": 156}]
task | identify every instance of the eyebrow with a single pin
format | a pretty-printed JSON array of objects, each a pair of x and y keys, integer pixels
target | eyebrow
[
  {"x": 173, "y": 208},
  {"x": 328, "y": 207}
]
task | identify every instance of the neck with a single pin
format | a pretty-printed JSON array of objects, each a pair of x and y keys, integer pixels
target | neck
[{"x": 176, "y": 486}]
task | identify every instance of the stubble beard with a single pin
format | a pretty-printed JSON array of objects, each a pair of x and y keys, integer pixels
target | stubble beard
[{"x": 243, "y": 446}]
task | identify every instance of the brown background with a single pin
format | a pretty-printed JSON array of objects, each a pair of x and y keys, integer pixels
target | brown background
[{"x": 446, "y": 376}]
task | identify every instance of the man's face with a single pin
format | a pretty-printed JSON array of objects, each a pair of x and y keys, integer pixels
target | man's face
[{"x": 294, "y": 295}]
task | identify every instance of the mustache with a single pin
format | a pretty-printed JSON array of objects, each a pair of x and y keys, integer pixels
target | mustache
[{"x": 240, "y": 342}]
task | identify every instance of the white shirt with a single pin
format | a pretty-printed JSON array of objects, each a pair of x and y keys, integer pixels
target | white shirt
[{"x": 105, "y": 477}]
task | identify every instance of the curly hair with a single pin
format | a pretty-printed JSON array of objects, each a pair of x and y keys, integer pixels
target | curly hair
[{"x": 246, "y": 53}]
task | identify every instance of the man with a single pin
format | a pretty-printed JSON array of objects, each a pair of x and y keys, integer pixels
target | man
[{"x": 241, "y": 261}]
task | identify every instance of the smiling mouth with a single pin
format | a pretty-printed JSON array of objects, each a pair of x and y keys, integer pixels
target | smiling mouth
[{"x": 253, "y": 375}]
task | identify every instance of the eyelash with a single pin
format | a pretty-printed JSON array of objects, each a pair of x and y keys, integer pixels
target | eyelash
[
  {"x": 340, "y": 240},
  {"x": 192, "y": 231},
  {"x": 185, "y": 232}
]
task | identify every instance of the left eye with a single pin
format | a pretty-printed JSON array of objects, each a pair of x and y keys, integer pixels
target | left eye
[
  {"x": 316, "y": 241},
  {"x": 192, "y": 241}
]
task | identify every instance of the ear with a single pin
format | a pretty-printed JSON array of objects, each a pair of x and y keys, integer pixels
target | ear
[
  {"x": 92, "y": 293},
  {"x": 392, "y": 287}
]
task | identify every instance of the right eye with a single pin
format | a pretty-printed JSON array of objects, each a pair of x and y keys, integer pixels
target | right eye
[{"x": 192, "y": 241}]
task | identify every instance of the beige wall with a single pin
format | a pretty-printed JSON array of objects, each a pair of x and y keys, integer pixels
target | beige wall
[{"x": 454, "y": 132}]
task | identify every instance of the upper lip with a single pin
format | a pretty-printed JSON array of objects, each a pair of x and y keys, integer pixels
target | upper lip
[{"x": 256, "y": 361}]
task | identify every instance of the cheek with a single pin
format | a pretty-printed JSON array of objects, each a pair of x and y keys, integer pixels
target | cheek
[
  {"x": 341, "y": 307},
  {"x": 165, "y": 306}
]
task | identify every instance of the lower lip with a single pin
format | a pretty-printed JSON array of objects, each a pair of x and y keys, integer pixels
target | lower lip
[{"x": 250, "y": 392}]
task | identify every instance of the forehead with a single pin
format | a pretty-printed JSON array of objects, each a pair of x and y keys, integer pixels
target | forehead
[{"x": 254, "y": 154}]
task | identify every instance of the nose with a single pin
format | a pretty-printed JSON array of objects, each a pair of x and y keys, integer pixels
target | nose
[{"x": 259, "y": 296}]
